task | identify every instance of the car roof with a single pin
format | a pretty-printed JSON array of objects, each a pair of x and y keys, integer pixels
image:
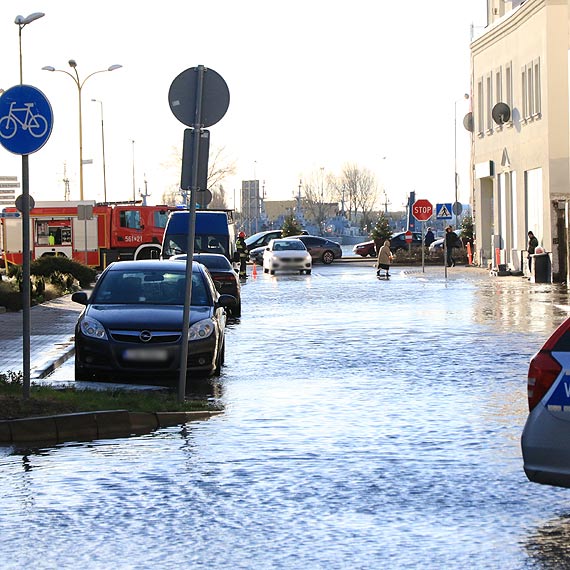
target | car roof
[{"x": 148, "y": 264}]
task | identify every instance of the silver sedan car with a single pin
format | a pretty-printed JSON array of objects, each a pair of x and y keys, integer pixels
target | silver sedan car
[{"x": 286, "y": 255}]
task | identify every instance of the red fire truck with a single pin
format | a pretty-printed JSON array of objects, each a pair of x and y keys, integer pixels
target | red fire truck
[{"x": 94, "y": 234}]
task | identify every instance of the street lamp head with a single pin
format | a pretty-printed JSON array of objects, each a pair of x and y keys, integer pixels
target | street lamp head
[
  {"x": 72, "y": 63},
  {"x": 21, "y": 21},
  {"x": 114, "y": 66},
  {"x": 48, "y": 68}
]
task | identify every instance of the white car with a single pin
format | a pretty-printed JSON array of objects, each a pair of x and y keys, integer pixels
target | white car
[{"x": 287, "y": 254}]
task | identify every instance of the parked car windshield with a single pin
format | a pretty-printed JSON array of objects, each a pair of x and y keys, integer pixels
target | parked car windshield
[{"x": 149, "y": 287}]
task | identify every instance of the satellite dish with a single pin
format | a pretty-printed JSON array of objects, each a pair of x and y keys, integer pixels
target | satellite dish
[
  {"x": 501, "y": 113},
  {"x": 468, "y": 122}
]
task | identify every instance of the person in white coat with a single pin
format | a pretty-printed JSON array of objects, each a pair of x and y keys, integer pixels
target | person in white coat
[{"x": 385, "y": 258}]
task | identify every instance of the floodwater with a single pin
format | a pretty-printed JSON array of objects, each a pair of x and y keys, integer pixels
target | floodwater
[{"x": 368, "y": 424}]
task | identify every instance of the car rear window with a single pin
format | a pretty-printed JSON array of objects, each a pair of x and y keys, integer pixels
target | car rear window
[{"x": 213, "y": 262}]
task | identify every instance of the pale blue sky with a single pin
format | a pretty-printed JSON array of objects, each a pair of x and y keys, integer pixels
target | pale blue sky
[{"x": 312, "y": 84}]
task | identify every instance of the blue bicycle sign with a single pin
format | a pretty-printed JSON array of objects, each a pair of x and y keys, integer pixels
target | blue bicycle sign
[
  {"x": 25, "y": 119},
  {"x": 36, "y": 124}
]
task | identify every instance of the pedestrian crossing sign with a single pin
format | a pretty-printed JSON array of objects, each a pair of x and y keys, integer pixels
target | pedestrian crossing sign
[{"x": 443, "y": 211}]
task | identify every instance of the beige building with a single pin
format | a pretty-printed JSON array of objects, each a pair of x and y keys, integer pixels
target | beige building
[{"x": 520, "y": 132}]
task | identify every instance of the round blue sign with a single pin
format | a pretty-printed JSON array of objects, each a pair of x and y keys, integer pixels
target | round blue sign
[{"x": 26, "y": 119}]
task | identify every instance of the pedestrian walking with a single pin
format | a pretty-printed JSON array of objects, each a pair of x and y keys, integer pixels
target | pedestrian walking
[
  {"x": 385, "y": 258},
  {"x": 451, "y": 240},
  {"x": 531, "y": 248},
  {"x": 429, "y": 238},
  {"x": 241, "y": 249}
]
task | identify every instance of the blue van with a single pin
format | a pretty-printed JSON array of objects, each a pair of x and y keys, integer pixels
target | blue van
[{"x": 215, "y": 233}]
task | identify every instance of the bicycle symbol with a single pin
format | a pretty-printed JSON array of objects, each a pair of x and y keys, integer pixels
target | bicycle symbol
[{"x": 35, "y": 124}]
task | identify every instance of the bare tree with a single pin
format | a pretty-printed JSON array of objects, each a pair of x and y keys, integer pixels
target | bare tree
[
  {"x": 219, "y": 168},
  {"x": 317, "y": 197},
  {"x": 218, "y": 198},
  {"x": 357, "y": 189}
]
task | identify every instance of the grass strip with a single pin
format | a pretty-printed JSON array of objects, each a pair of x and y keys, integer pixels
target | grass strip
[{"x": 47, "y": 400}]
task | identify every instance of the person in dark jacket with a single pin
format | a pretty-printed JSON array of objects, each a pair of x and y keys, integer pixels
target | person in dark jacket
[
  {"x": 531, "y": 248},
  {"x": 241, "y": 248},
  {"x": 429, "y": 238},
  {"x": 450, "y": 243}
]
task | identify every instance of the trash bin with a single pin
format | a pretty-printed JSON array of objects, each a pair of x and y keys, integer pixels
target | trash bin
[{"x": 541, "y": 268}]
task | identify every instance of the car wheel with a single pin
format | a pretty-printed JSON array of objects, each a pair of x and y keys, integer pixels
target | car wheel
[
  {"x": 272, "y": 272},
  {"x": 265, "y": 270},
  {"x": 328, "y": 257},
  {"x": 308, "y": 271},
  {"x": 236, "y": 312},
  {"x": 372, "y": 253}
]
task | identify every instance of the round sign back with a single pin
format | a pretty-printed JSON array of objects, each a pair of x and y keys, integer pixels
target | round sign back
[{"x": 182, "y": 97}]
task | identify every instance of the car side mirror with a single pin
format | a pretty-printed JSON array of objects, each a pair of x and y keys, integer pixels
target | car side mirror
[{"x": 79, "y": 297}]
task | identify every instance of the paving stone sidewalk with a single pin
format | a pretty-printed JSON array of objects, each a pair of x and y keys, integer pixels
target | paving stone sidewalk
[{"x": 51, "y": 325}]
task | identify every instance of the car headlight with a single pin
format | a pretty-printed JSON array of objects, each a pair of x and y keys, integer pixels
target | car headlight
[
  {"x": 93, "y": 328},
  {"x": 201, "y": 329}
]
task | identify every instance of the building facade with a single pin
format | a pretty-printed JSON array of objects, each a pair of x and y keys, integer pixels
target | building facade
[{"x": 520, "y": 133}]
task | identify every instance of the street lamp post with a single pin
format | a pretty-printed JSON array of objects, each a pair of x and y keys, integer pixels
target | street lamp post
[
  {"x": 80, "y": 84},
  {"x": 103, "y": 149},
  {"x": 21, "y": 22},
  {"x": 456, "y": 182}
]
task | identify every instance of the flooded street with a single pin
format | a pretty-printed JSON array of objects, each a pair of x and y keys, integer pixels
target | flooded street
[{"x": 368, "y": 424}]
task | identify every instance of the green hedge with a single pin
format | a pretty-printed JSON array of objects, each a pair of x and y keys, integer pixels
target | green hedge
[{"x": 50, "y": 264}]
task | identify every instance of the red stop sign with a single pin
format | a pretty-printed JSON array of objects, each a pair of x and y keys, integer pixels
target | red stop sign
[
  {"x": 408, "y": 235},
  {"x": 422, "y": 210}
]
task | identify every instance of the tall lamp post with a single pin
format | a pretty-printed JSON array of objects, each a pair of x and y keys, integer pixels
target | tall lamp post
[
  {"x": 465, "y": 97},
  {"x": 22, "y": 22},
  {"x": 103, "y": 149},
  {"x": 80, "y": 84}
]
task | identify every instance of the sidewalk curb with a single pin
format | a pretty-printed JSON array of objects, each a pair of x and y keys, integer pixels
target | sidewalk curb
[
  {"x": 45, "y": 369},
  {"x": 88, "y": 426}
]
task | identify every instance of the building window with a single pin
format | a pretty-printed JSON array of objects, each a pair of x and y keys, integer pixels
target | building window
[
  {"x": 509, "y": 89},
  {"x": 536, "y": 91},
  {"x": 498, "y": 85},
  {"x": 524, "y": 107},
  {"x": 529, "y": 91},
  {"x": 489, "y": 98},
  {"x": 498, "y": 89},
  {"x": 480, "y": 108}
]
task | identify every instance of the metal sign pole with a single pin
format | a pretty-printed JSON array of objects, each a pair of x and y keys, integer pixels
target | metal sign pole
[
  {"x": 445, "y": 255},
  {"x": 26, "y": 285},
  {"x": 191, "y": 230},
  {"x": 423, "y": 247}
]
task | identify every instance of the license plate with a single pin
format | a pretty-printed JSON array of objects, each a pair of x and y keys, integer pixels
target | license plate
[{"x": 145, "y": 354}]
